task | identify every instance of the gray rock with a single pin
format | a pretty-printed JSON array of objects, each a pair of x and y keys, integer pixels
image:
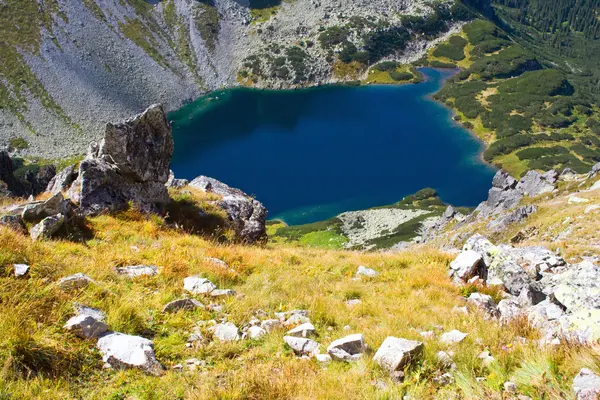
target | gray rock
[
  {"x": 131, "y": 164},
  {"x": 501, "y": 197},
  {"x": 14, "y": 222},
  {"x": 88, "y": 323},
  {"x": 453, "y": 337},
  {"x": 513, "y": 276},
  {"x": 122, "y": 351},
  {"x": 484, "y": 247},
  {"x": 198, "y": 285},
  {"x": 47, "y": 227},
  {"x": 466, "y": 265},
  {"x": 368, "y": 272},
  {"x": 595, "y": 169},
  {"x": 75, "y": 282},
  {"x": 245, "y": 214},
  {"x": 20, "y": 270},
  {"x": 515, "y": 216},
  {"x": 270, "y": 325},
  {"x": 586, "y": 385},
  {"x": 226, "y": 332},
  {"x": 323, "y": 358},
  {"x": 296, "y": 319},
  {"x": 483, "y": 302},
  {"x": 510, "y": 387},
  {"x": 302, "y": 346},
  {"x": 63, "y": 180},
  {"x": 182, "y": 304},
  {"x": 395, "y": 353},
  {"x": 38, "y": 210},
  {"x": 134, "y": 271},
  {"x": 222, "y": 293},
  {"x": 304, "y": 330},
  {"x": 349, "y": 348},
  {"x": 509, "y": 309},
  {"x": 534, "y": 184},
  {"x": 536, "y": 260},
  {"x": 173, "y": 182}
]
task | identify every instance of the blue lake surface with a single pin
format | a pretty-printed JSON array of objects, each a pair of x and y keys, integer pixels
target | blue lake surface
[{"x": 311, "y": 154}]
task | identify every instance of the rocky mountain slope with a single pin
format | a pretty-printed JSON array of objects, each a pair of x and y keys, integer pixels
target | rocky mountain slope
[
  {"x": 68, "y": 65},
  {"x": 121, "y": 281}
]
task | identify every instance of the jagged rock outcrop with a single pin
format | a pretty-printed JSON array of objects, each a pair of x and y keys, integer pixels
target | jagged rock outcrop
[
  {"x": 63, "y": 180},
  {"x": 246, "y": 215},
  {"x": 131, "y": 164}
]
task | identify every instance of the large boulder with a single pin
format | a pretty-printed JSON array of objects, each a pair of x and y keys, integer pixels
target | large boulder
[
  {"x": 131, "y": 164},
  {"x": 502, "y": 196},
  {"x": 122, "y": 351},
  {"x": 533, "y": 183},
  {"x": 12, "y": 186},
  {"x": 466, "y": 265},
  {"x": 63, "y": 180},
  {"x": 246, "y": 215},
  {"x": 47, "y": 227},
  {"x": 394, "y": 353},
  {"x": 302, "y": 346}
]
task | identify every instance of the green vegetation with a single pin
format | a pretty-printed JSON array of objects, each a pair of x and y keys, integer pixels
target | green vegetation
[
  {"x": 454, "y": 49},
  {"x": 17, "y": 144},
  {"x": 207, "y": 22},
  {"x": 136, "y": 31}
]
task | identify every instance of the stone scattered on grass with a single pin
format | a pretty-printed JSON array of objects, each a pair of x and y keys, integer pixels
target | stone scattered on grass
[
  {"x": 20, "y": 270},
  {"x": 122, "y": 351},
  {"x": 453, "y": 337},
  {"x": 198, "y": 285},
  {"x": 47, "y": 227},
  {"x": 302, "y": 346},
  {"x": 466, "y": 264},
  {"x": 368, "y": 272},
  {"x": 586, "y": 385},
  {"x": 182, "y": 304},
  {"x": 395, "y": 353},
  {"x": 304, "y": 330},
  {"x": 349, "y": 348},
  {"x": 226, "y": 332},
  {"x": 255, "y": 332},
  {"x": 75, "y": 282},
  {"x": 134, "y": 271}
]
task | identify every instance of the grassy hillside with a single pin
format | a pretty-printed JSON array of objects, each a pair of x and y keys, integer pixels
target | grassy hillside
[{"x": 411, "y": 294}]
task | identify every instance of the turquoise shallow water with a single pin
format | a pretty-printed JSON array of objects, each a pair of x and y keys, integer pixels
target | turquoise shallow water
[{"x": 311, "y": 154}]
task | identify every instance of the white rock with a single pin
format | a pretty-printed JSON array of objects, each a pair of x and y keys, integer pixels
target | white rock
[
  {"x": 452, "y": 337},
  {"x": 483, "y": 302},
  {"x": 222, "y": 293},
  {"x": 134, "y": 271},
  {"x": 226, "y": 332},
  {"x": 270, "y": 325},
  {"x": 122, "y": 351},
  {"x": 304, "y": 330},
  {"x": 323, "y": 358},
  {"x": 75, "y": 282},
  {"x": 256, "y": 332},
  {"x": 182, "y": 304},
  {"x": 427, "y": 334},
  {"x": 198, "y": 285},
  {"x": 296, "y": 319},
  {"x": 510, "y": 387},
  {"x": 577, "y": 200},
  {"x": 586, "y": 385},
  {"x": 302, "y": 346},
  {"x": 465, "y": 265},
  {"x": 394, "y": 353},
  {"x": 364, "y": 271},
  {"x": 20, "y": 270},
  {"x": 444, "y": 358},
  {"x": 486, "y": 358},
  {"x": 348, "y": 348},
  {"x": 352, "y": 302}
]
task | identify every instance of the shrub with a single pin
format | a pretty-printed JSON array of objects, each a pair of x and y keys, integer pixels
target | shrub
[
  {"x": 533, "y": 153},
  {"x": 333, "y": 36},
  {"x": 386, "y": 66},
  {"x": 401, "y": 76},
  {"x": 439, "y": 64},
  {"x": 480, "y": 30},
  {"x": 546, "y": 82},
  {"x": 454, "y": 49},
  {"x": 510, "y": 62},
  {"x": 18, "y": 144}
]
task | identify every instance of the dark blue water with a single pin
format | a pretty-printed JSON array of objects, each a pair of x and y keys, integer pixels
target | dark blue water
[{"x": 311, "y": 154}]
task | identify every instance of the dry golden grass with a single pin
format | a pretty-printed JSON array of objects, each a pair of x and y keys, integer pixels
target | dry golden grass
[{"x": 38, "y": 359}]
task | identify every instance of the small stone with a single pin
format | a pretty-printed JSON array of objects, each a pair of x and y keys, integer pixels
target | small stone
[
  {"x": 198, "y": 285},
  {"x": 20, "y": 270},
  {"x": 304, "y": 330},
  {"x": 178, "y": 367},
  {"x": 222, "y": 293},
  {"x": 444, "y": 379},
  {"x": 256, "y": 332},
  {"x": 466, "y": 264},
  {"x": 486, "y": 358},
  {"x": 453, "y": 337},
  {"x": 460, "y": 310},
  {"x": 226, "y": 332},
  {"x": 444, "y": 358},
  {"x": 352, "y": 302},
  {"x": 349, "y": 348},
  {"x": 368, "y": 272},
  {"x": 134, "y": 271},
  {"x": 270, "y": 325},
  {"x": 75, "y": 282},
  {"x": 302, "y": 346},
  {"x": 427, "y": 334},
  {"x": 86, "y": 326},
  {"x": 510, "y": 387},
  {"x": 182, "y": 304},
  {"x": 577, "y": 200},
  {"x": 394, "y": 353},
  {"x": 323, "y": 358},
  {"x": 483, "y": 302},
  {"x": 296, "y": 319}
]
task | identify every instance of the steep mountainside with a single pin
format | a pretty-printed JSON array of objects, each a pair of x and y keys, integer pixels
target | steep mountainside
[{"x": 67, "y": 65}]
